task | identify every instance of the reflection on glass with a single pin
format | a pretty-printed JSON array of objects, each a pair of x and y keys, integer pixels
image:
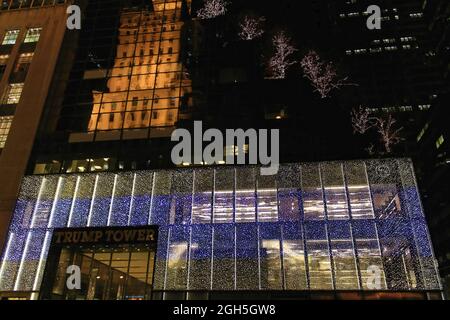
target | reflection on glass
[
  {"x": 245, "y": 195},
  {"x": 223, "y": 196},
  {"x": 294, "y": 265},
  {"x": 177, "y": 262},
  {"x": 147, "y": 83},
  {"x": 270, "y": 257},
  {"x": 336, "y": 198},
  {"x": 358, "y": 191},
  {"x": 344, "y": 264},
  {"x": 202, "y": 202},
  {"x": 288, "y": 205},
  {"x": 319, "y": 263}
]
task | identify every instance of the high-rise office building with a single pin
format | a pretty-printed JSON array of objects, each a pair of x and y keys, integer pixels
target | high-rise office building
[
  {"x": 389, "y": 64},
  {"x": 31, "y": 34},
  {"x": 433, "y": 160}
]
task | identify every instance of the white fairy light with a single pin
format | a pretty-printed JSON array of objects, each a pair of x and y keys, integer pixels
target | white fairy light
[
  {"x": 322, "y": 74},
  {"x": 212, "y": 9},
  {"x": 251, "y": 28},
  {"x": 281, "y": 61}
]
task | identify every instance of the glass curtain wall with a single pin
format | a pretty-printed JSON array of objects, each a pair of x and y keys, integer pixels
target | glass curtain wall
[{"x": 325, "y": 226}]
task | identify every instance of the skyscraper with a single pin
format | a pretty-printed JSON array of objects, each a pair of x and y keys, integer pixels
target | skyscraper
[
  {"x": 102, "y": 194},
  {"x": 29, "y": 50}
]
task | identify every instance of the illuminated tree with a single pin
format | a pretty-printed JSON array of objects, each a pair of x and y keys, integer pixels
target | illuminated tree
[
  {"x": 389, "y": 136},
  {"x": 361, "y": 120},
  {"x": 322, "y": 74},
  {"x": 212, "y": 9},
  {"x": 281, "y": 61},
  {"x": 251, "y": 28}
]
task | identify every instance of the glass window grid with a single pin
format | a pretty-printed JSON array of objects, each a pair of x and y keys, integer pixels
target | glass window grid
[
  {"x": 327, "y": 250},
  {"x": 154, "y": 75},
  {"x": 5, "y": 126},
  {"x": 32, "y": 35},
  {"x": 10, "y": 37},
  {"x": 11, "y": 5},
  {"x": 13, "y": 93}
]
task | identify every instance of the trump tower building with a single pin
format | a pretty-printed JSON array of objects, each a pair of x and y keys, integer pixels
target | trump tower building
[
  {"x": 92, "y": 208},
  {"x": 351, "y": 229}
]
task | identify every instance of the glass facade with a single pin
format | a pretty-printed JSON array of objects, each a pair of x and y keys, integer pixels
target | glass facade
[
  {"x": 5, "y": 126},
  {"x": 354, "y": 225},
  {"x": 147, "y": 83}
]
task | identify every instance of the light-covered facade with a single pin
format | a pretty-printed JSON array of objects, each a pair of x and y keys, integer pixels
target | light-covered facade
[{"x": 332, "y": 226}]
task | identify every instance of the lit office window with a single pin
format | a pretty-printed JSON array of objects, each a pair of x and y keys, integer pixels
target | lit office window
[
  {"x": 440, "y": 141},
  {"x": 3, "y": 62},
  {"x": 13, "y": 93},
  {"x": 10, "y": 37},
  {"x": 5, "y": 125},
  {"x": 23, "y": 64},
  {"x": 33, "y": 35}
]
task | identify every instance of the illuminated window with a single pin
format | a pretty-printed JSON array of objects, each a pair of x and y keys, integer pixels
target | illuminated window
[
  {"x": 10, "y": 37},
  {"x": 33, "y": 35},
  {"x": 23, "y": 62},
  {"x": 422, "y": 132},
  {"x": 440, "y": 141},
  {"x": 5, "y": 125},
  {"x": 13, "y": 93}
]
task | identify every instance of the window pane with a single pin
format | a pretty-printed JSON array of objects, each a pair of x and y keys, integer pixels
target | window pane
[
  {"x": 200, "y": 258},
  {"x": 294, "y": 258},
  {"x": 5, "y": 126},
  {"x": 247, "y": 277},
  {"x": 369, "y": 255},
  {"x": 344, "y": 262},
  {"x": 270, "y": 257},
  {"x": 319, "y": 264},
  {"x": 358, "y": 191},
  {"x": 245, "y": 195},
  {"x": 267, "y": 199},
  {"x": 202, "y": 202},
  {"x": 176, "y": 278},
  {"x": 224, "y": 257},
  {"x": 224, "y": 196},
  {"x": 10, "y": 37},
  {"x": 33, "y": 35},
  {"x": 13, "y": 93},
  {"x": 312, "y": 194},
  {"x": 335, "y": 195}
]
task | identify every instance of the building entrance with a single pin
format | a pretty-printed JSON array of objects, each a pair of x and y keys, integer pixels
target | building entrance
[{"x": 100, "y": 264}]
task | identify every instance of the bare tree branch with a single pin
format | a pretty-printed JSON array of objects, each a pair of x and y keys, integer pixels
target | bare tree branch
[
  {"x": 322, "y": 75},
  {"x": 280, "y": 62},
  {"x": 361, "y": 120},
  {"x": 251, "y": 28},
  {"x": 389, "y": 136},
  {"x": 212, "y": 9}
]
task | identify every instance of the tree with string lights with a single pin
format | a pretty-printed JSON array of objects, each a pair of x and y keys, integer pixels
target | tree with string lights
[
  {"x": 322, "y": 74},
  {"x": 212, "y": 9},
  {"x": 389, "y": 136},
  {"x": 251, "y": 28},
  {"x": 361, "y": 120}
]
